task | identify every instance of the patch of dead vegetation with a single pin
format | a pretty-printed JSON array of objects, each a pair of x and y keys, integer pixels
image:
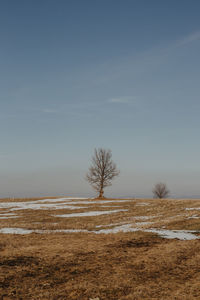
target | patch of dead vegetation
[
  {"x": 122, "y": 266},
  {"x": 77, "y": 266}
]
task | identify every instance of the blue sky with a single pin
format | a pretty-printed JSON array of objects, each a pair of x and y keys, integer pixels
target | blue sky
[{"x": 75, "y": 75}]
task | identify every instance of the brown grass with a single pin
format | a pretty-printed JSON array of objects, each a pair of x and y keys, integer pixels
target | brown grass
[{"x": 123, "y": 266}]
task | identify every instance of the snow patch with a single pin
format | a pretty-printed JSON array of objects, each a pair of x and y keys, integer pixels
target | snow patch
[
  {"x": 66, "y": 199},
  {"x": 66, "y": 203},
  {"x": 16, "y": 231},
  {"x": 7, "y": 214},
  {"x": 143, "y": 217},
  {"x": 90, "y": 213},
  {"x": 174, "y": 234},
  {"x": 121, "y": 228},
  {"x": 168, "y": 234},
  {"x": 14, "y": 206},
  {"x": 194, "y": 217},
  {"x": 9, "y": 217}
]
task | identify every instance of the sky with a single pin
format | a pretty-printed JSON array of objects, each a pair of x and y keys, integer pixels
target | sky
[{"x": 77, "y": 75}]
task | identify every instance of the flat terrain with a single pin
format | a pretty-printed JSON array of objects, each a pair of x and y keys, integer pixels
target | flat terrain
[{"x": 64, "y": 248}]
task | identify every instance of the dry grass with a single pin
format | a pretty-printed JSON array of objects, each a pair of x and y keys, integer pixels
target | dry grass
[{"x": 123, "y": 266}]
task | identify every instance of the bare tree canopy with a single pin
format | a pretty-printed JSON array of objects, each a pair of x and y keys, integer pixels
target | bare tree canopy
[
  {"x": 102, "y": 171},
  {"x": 160, "y": 190}
]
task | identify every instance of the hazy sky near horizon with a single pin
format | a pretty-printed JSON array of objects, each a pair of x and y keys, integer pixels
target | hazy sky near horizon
[{"x": 75, "y": 75}]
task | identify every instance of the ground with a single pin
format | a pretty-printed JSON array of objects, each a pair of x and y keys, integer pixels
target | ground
[{"x": 141, "y": 260}]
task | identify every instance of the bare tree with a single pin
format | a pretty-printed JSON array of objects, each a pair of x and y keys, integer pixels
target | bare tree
[
  {"x": 160, "y": 190},
  {"x": 102, "y": 171}
]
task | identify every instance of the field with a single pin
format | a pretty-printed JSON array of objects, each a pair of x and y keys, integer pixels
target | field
[{"x": 63, "y": 248}]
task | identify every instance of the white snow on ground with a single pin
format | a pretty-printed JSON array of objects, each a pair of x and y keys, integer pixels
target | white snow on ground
[
  {"x": 69, "y": 230},
  {"x": 143, "y": 217},
  {"x": 193, "y": 208},
  {"x": 114, "y": 224},
  {"x": 121, "y": 228},
  {"x": 14, "y": 206},
  {"x": 66, "y": 199},
  {"x": 91, "y": 213},
  {"x": 175, "y": 234},
  {"x": 11, "y": 217},
  {"x": 28, "y": 231},
  {"x": 97, "y": 201},
  {"x": 168, "y": 234},
  {"x": 16, "y": 231},
  {"x": 8, "y": 216},
  {"x": 69, "y": 203},
  {"x": 66, "y": 203},
  {"x": 194, "y": 217}
]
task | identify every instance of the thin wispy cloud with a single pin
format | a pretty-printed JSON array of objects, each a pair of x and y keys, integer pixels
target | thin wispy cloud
[
  {"x": 178, "y": 44},
  {"x": 121, "y": 100},
  {"x": 67, "y": 111},
  {"x": 139, "y": 63},
  {"x": 100, "y": 74},
  {"x": 192, "y": 37},
  {"x": 49, "y": 111}
]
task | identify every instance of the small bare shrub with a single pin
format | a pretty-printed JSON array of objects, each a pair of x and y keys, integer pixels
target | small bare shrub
[{"x": 160, "y": 190}]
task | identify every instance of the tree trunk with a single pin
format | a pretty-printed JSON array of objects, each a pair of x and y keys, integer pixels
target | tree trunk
[{"x": 101, "y": 193}]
